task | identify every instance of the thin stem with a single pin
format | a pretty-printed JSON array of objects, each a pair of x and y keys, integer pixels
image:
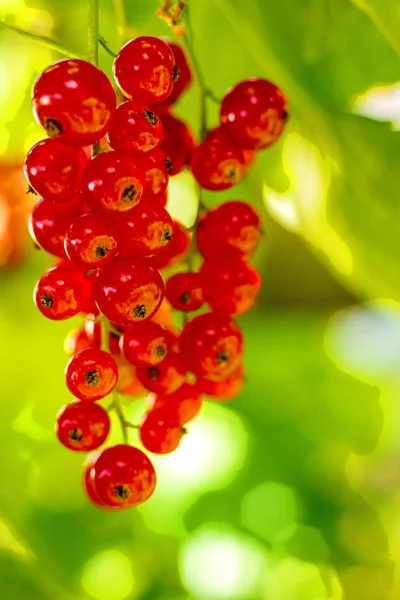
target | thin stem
[
  {"x": 44, "y": 40},
  {"x": 120, "y": 18},
  {"x": 120, "y": 414},
  {"x": 106, "y": 47},
  {"x": 93, "y": 32}
]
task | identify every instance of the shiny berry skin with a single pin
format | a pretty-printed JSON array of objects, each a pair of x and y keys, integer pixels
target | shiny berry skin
[
  {"x": 91, "y": 374},
  {"x": 82, "y": 426},
  {"x": 183, "y": 75},
  {"x": 128, "y": 291},
  {"x": 144, "y": 70},
  {"x": 161, "y": 431},
  {"x": 164, "y": 378},
  {"x": 112, "y": 182},
  {"x": 223, "y": 390},
  {"x": 155, "y": 176},
  {"x": 211, "y": 346},
  {"x": 219, "y": 163},
  {"x": 90, "y": 242},
  {"x": 123, "y": 476},
  {"x": 253, "y": 113},
  {"x": 186, "y": 401},
  {"x": 144, "y": 344},
  {"x": 184, "y": 291},
  {"x": 128, "y": 383},
  {"x": 143, "y": 231},
  {"x": 74, "y": 101},
  {"x": 62, "y": 292},
  {"x": 230, "y": 286},
  {"x": 174, "y": 252},
  {"x": 177, "y": 145},
  {"x": 48, "y": 224},
  {"x": 88, "y": 484},
  {"x": 232, "y": 229},
  {"x": 55, "y": 171},
  {"x": 135, "y": 129},
  {"x": 77, "y": 340}
]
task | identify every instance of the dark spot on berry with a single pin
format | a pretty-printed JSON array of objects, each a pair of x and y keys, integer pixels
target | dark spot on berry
[
  {"x": 75, "y": 435},
  {"x": 153, "y": 373},
  {"x": 139, "y": 312},
  {"x": 176, "y": 74},
  {"x": 122, "y": 492},
  {"x": 285, "y": 115},
  {"x": 129, "y": 194},
  {"x": 222, "y": 357},
  {"x": 168, "y": 165},
  {"x": 231, "y": 175},
  {"x": 166, "y": 236},
  {"x": 36, "y": 246},
  {"x": 161, "y": 350},
  {"x": 101, "y": 251},
  {"x": 46, "y": 301},
  {"x": 92, "y": 378},
  {"x": 53, "y": 128},
  {"x": 30, "y": 190},
  {"x": 185, "y": 298},
  {"x": 150, "y": 117}
]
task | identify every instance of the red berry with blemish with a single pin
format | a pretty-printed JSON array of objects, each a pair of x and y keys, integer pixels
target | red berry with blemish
[
  {"x": 161, "y": 431},
  {"x": 91, "y": 374},
  {"x": 62, "y": 292},
  {"x": 82, "y": 426},
  {"x": 89, "y": 241},
  {"x": 184, "y": 291},
  {"x": 135, "y": 129},
  {"x": 145, "y": 344}
]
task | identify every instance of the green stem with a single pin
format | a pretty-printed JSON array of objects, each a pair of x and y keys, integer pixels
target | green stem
[
  {"x": 93, "y": 32},
  {"x": 120, "y": 18},
  {"x": 106, "y": 47},
  {"x": 121, "y": 417},
  {"x": 45, "y": 41}
]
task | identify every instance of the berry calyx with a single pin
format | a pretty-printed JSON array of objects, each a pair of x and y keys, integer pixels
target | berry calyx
[
  {"x": 164, "y": 378},
  {"x": 82, "y": 426},
  {"x": 161, "y": 431},
  {"x": 184, "y": 76},
  {"x": 89, "y": 241},
  {"x": 177, "y": 144},
  {"x": 184, "y": 291},
  {"x": 62, "y": 292},
  {"x": 91, "y": 374},
  {"x": 173, "y": 252},
  {"x": 135, "y": 129},
  {"x": 145, "y": 344}
]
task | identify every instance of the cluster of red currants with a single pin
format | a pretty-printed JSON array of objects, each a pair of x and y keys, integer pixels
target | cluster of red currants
[{"x": 103, "y": 214}]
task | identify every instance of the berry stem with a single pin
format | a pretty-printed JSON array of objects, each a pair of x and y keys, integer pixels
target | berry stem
[
  {"x": 120, "y": 414},
  {"x": 44, "y": 40},
  {"x": 106, "y": 47},
  {"x": 120, "y": 18}
]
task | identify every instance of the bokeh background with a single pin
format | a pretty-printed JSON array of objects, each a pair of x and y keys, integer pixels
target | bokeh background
[{"x": 290, "y": 492}]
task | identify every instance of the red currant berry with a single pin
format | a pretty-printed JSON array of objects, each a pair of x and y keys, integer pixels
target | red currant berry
[
  {"x": 128, "y": 291},
  {"x": 155, "y": 176},
  {"x": 112, "y": 181},
  {"x": 232, "y": 229},
  {"x": 49, "y": 222},
  {"x": 55, "y": 171},
  {"x": 123, "y": 476},
  {"x": 164, "y": 378},
  {"x": 161, "y": 431},
  {"x": 135, "y": 129},
  {"x": 186, "y": 401},
  {"x": 143, "y": 231},
  {"x": 82, "y": 426},
  {"x": 88, "y": 483},
  {"x": 219, "y": 163},
  {"x": 226, "y": 389},
  {"x": 77, "y": 340},
  {"x": 128, "y": 383},
  {"x": 144, "y": 70},
  {"x": 211, "y": 346},
  {"x": 90, "y": 307},
  {"x": 91, "y": 374},
  {"x": 184, "y": 291},
  {"x": 177, "y": 144},
  {"x": 144, "y": 344},
  {"x": 183, "y": 75},
  {"x": 253, "y": 113},
  {"x": 89, "y": 242},
  {"x": 74, "y": 101},
  {"x": 175, "y": 251},
  {"x": 230, "y": 286},
  {"x": 62, "y": 292}
]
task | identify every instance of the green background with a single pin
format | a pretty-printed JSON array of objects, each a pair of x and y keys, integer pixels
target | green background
[{"x": 290, "y": 492}]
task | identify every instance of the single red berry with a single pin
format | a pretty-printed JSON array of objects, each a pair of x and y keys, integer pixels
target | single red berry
[
  {"x": 55, "y": 171},
  {"x": 48, "y": 224},
  {"x": 128, "y": 383},
  {"x": 143, "y": 231},
  {"x": 177, "y": 145},
  {"x": 123, "y": 476},
  {"x": 226, "y": 389},
  {"x": 128, "y": 291},
  {"x": 145, "y": 344},
  {"x": 90, "y": 242},
  {"x": 62, "y": 292},
  {"x": 88, "y": 483},
  {"x": 184, "y": 291},
  {"x": 161, "y": 431},
  {"x": 135, "y": 129},
  {"x": 211, "y": 346},
  {"x": 91, "y": 374},
  {"x": 173, "y": 252},
  {"x": 155, "y": 176},
  {"x": 182, "y": 74},
  {"x": 144, "y": 70},
  {"x": 230, "y": 286},
  {"x": 82, "y": 426},
  {"x": 77, "y": 340},
  {"x": 186, "y": 401},
  {"x": 112, "y": 182},
  {"x": 254, "y": 112},
  {"x": 232, "y": 229},
  {"x": 219, "y": 163},
  {"x": 164, "y": 378},
  {"x": 74, "y": 101}
]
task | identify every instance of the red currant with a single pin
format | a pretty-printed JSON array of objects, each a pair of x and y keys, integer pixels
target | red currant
[
  {"x": 230, "y": 286},
  {"x": 91, "y": 374},
  {"x": 144, "y": 344},
  {"x": 128, "y": 291},
  {"x": 226, "y": 389},
  {"x": 183, "y": 75},
  {"x": 186, "y": 401},
  {"x": 135, "y": 129},
  {"x": 90, "y": 307},
  {"x": 82, "y": 426},
  {"x": 253, "y": 113},
  {"x": 62, "y": 292},
  {"x": 161, "y": 431},
  {"x": 177, "y": 144},
  {"x": 155, "y": 176},
  {"x": 88, "y": 480},
  {"x": 128, "y": 382},
  {"x": 175, "y": 251},
  {"x": 164, "y": 378},
  {"x": 123, "y": 476},
  {"x": 55, "y": 171},
  {"x": 89, "y": 242},
  {"x": 77, "y": 340},
  {"x": 48, "y": 224},
  {"x": 184, "y": 291},
  {"x": 75, "y": 101},
  {"x": 144, "y": 70},
  {"x": 211, "y": 346}
]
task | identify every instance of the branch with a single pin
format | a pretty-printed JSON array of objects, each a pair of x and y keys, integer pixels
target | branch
[
  {"x": 41, "y": 39},
  {"x": 93, "y": 32}
]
